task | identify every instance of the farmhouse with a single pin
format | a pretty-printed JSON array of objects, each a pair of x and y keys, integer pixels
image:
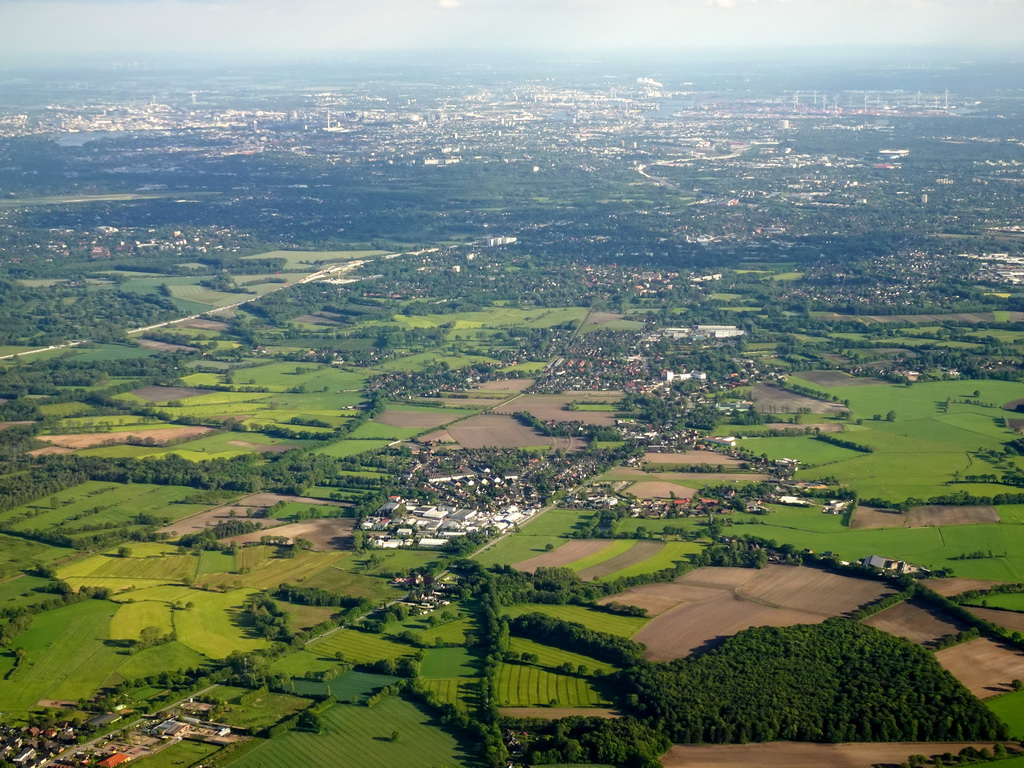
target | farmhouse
[{"x": 885, "y": 564}]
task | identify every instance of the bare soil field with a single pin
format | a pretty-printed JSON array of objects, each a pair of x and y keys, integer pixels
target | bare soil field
[
  {"x": 1014, "y": 405},
  {"x": 716, "y": 603},
  {"x": 163, "y": 346},
  {"x": 658, "y": 598},
  {"x": 204, "y": 325},
  {"x": 1017, "y": 425},
  {"x": 568, "y": 553},
  {"x": 553, "y": 407},
  {"x": 635, "y": 554},
  {"x": 1012, "y": 620},
  {"x": 314, "y": 320},
  {"x": 52, "y": 450},
  {"x": 155, "y": 394},
  {"x": 252, "y": 502},
  {"x": 986, "y": 667},
  {"x": 778, "y": 400},
  {"x": 462, "y": 402},
  {"x": 394, "y": 417},
  {"x": 491, "y": 430},
  {"x": 506, "y": 385},
  {"x": 90, "y": 439},
  {"x": 922, "y": 517},
  {"x": 325, "y": 533},
  {"x": 838, "y": 379},
  {"x": 261, "y": 447},
  {"x": 785, "y": 754},
  {"x": 919, "y": 517},
  {"x": 692, "y": 457},
  {"x": 874, "y": 517},
  {"x": 557, "y": 713},
  {"x": 660, "y": 490},
  {"x": 917, "y": 622},
  {"x": 957, "y": 586}
]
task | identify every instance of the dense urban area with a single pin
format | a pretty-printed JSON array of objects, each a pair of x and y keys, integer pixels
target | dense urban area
[{"x": 519, "y": 415}]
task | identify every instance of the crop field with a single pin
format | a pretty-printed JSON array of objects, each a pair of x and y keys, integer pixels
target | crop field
[
  {"x": 495, "y": 431},
  {"x": 159, "y": 435},
  {"x": 164, "y": 567},
  {"x": 921, "y": 517},
  {"x": 276, "y": 570},
  {"x": 325, "y": 533},
  {"x": 808, "y": 451},
  {"x": 829, "y": 379},
  {"x": 957, "y": 586},
  {"x": 630, "y": 474},
  {"x": 984, "y": 666},
  {"x": 778, "y": 400},
  {"x": 660, "y": 489},
  {"x": 18, "y": 554},
  {"x": 551, "y": 657},
  {"x": 158, "y": 394},
  {"x": 167, "y": 657},
  {"x": 1008, "y": 602},
  {"x": 360, "y": 647},
  {"x": 309, "y": 261},
  {"x": 715, "y": 603},
  {"x": 556, "y": 407},
  {"x": 421, "y": 360},
  {"x": 524, "y": 685},
  {"x": 788, "y": 754},
  {"x": 570, "y": 552},
  {"x": 918, "y": 622},
  {"x": 411, "y": 417},
  {"x": 181, "y": 754},
  {"x": 1012, "y": 620},
  {"x": 269, "y": 709},
  {"x": 598, "y": 620},
  {"x": 341, "y": 578},
  {"x": 349, "y": 687},
  {"x": 356, "y": 737},
  {"x": 462, "y": 693}
]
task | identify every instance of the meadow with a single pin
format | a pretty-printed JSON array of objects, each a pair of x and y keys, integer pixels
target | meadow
[
  {"x": 357, "y": 736},
  {"x": 266, "y": 710},
  {"x": 599, "y": 621},
  {"x": 524, "y": 685},
  {"x": 359, "y": 647},
  {"x": 181, "y": 754}
]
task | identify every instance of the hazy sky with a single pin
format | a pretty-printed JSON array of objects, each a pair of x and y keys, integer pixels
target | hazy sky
[{"x": 120, "y": 27}]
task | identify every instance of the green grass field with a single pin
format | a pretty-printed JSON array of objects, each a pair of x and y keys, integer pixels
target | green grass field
[
  {"x": 357, "y": 737},
  {"x": 214, "y": 626},
  {"x": 165, "y": 567},
  {"x": 600, "y": 621},
  {"x": 439, "y": 663},
  {"x": 181, "y": 754},
  {"x": 524, "y": 685},
  {"x": 132, "y": 618},
  {"x": 462, "y": 693},
  {"x": 1010, "y": 709},
  {"x": 1010, "y": 602},
  {"x": 359, "y": 647},
  {"x": 266, "y": 710},
  {"x": 550, "y": 527},
  {"x": 350, "y": 687},
  {"x": 667, "y": 557},
  {"x": 549, "y": 656}
]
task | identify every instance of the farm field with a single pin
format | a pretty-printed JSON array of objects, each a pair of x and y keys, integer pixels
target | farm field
[
  {"x": 711, "y": 604},
  {"x": 692, "y": 457},
  {"x": 921, "y": 517},
  {"x": 551, "y": 657},
  {"x": 408, "y": 417},
  {"x": 360, "y": 647},
  {"x": 1010, "y": 709},
  {"x": 352, "y": 687},
  {"x": 265, "y": 711},
  {"x": 439, "y": 663},
  {"x": 495, "y": 431},
  {"x": 917, "y": 622},
  {"x": 524, "y": 685},
  {"x": 1008, "y": 602},
  {"x": 984, "y": 666},
  {"x": 1012, "y": 620},
  {"x": 214, "y": 626},
  {"x": 463, "y": 693},
  {"x": 769, "y": 399},
  {"x": 181, "y": 754},
  {"x": 592, "y": 618},
  {"x": 555, "y": 407},
  {"x": 18, "y": 554},
  {"x": 159, "y": 435},
  {"x": 328, "y": 533},
  {"x": 356, "y": 737},
  {"x": 785, "y": 754}
]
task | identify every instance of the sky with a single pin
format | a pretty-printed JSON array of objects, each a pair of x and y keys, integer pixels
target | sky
[{"x": 116, "y": 28}]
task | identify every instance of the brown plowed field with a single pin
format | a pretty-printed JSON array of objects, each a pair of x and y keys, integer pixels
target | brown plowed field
[
  {"x": 692, "y": 457},
  {"x": 838, "y": 379},
  {"x": 554, "y": 407},
  {"x": 325, "y": 533},
  {"x": 204, "y": 325},
  {"x": 254, "y": 501},
  {"x": 986, "y": 667},
  {"x": 917, "y": 622},
  {"x": 923, "y": 517},
  {"x": 658, "y": 598},
  {"x": 957, "y": 586},
  {"x": 261, "y": 447},
  {"x": 635, "y": 554},
  {"x": 654, "y": 490},
  {"x": 1017, "y": 425},
  {"x": 506, "y": 385},
  {"x": 873, "y": 517},
  {"x": 52, "y": 450},
  {"x": 91, "y": 439},
  {"x": 784, "y": 754},
  {"x": 1012, "y": 620},
  {"x": 713, "y": 604},
  {"x": 1014, "y": 405},
  {"x": 778, "y": 400},
  {"x": 163, "y": 346},
  {"x": 494, "y": 431},
  {"x": 394, "y": 417},
  {"x": 568, "y": 553},
  {"x": 557, "y": 713},
  {"x": 155, "y": 394}
]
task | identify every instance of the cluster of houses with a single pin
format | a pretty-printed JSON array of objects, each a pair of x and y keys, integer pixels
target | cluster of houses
[
  {"x": 29, "y": 746},
  {"x": 403, "y": 522}
]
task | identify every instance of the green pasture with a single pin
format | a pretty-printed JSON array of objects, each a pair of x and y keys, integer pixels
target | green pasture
[
  {"x": 808, "y": 451},
  {"x": 283, "y": 376},
  {"x": 498, "y": 317},
  {"x": 667, "y": 557},
  {"x": 1010, "y": 709},
  {"x": 345, "y": 448},
  {"x": 216, "y": 624},
  {"x": 302, "y": 664},
  {"x": 448, "y": 663},
  {"x": 461, "y": 692},
  {"x": 1008, "y": 602},
  {"x": 19, "y": 555},
  {"x": 23, "y": 590},
  {"x": 343, "y": 578},
  {"x": 168, "y": 657},
  {"x": 612, "y": 549},
  {"x": 349, "y": 687},
  {"x": 551, "y": 657},
  {"x": 166, "y": 567},
  {"x": 357, "y": 736},
  {"x": 180, "y": 754},
  {"x": 421, "y": 360},
  {"x": 275, "y": 570},
  {"x": 268, "y": 709},
  {"x": 524, "y": 685},
  {"x": 360, "y": 647},
  {"x": 132, "y": 618},
  {"x": 592, "y": 618}
]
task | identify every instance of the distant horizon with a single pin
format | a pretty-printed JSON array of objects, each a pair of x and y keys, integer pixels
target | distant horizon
[{"x": 36, "y": 30}]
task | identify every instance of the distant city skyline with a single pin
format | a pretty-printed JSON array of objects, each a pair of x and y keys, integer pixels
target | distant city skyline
[{"x": 66, "y": 28}]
